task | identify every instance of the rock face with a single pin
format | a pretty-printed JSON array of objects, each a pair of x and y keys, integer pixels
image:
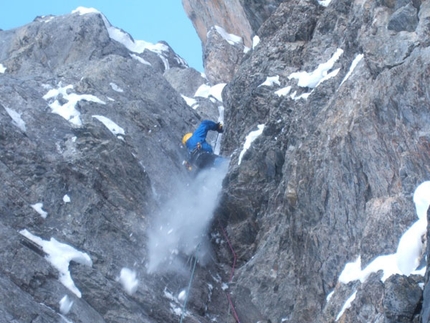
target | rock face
[
  {"x": 331, "y": 177},
  {"x": 327, "y": 128},
  {"x": 89, "y": 152}
]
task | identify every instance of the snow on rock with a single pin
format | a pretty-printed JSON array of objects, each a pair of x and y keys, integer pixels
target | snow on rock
[
  {"x": 2, "y": 69},
  {"x": 116, "y": 87},
  {"x": 66, "y": 199},
  {"x": 38, "y": 208},
  {"x": 410, "y": 247},
  {"x": 284, "y": 91},
  {"x": 140, "y": 59},
  {"x": 182, "y": 295},
  {"x": 422, "y": 199},
  {"x": 68, "y": 110},
  {"x": 83, "y": 10},
  {"x": 192, "y": 103},
  {"x": 324, "y": 3},
  {"x": 346, "y": 305},
  {"x": 207, "y": 91},
  {"x": 230, "y": 38},
  {"x": 16, "y": 119},
  {"x": 112, "y": 126},
  {"x": 128, "y": 280},
  {"x": 65, "y": 305},
  {"x": 136, "y": 46},
  {"x": 270, "y": 81},
  {"x": 354, "y": 64},
  {"x": 60, "y": 255},
  {"x": 249, "y": 140},
  {"x": 255, "y": 41},
  {"x": 319, "y": 75}
]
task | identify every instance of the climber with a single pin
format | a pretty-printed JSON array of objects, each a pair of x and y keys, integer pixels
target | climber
[{"x": 200, "y": 152}]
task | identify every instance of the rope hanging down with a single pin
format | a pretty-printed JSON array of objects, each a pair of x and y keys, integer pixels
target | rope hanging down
[{"x": 184, "y": 308}]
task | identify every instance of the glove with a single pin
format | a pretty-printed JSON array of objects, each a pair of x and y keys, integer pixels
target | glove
[{"x": 219, "y": 127}]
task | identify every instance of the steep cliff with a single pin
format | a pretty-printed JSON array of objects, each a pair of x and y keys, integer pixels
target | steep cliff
[
  {"x": 327, "y": 128},
  {"x": 340, "y": 93},
  {"x": 89, "y": 154}
]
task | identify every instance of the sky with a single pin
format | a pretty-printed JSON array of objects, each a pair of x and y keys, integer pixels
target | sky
[{"x": 151, "y": 21}]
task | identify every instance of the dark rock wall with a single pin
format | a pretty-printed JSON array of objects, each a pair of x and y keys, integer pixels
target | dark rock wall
[{"x": 332, "y": 176}]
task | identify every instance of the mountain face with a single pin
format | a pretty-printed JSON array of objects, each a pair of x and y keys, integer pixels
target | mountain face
[{"x": 315, "y": 220}]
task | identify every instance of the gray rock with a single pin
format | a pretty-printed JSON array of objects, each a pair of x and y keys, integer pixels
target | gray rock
[{"x": 405, "y": 18}]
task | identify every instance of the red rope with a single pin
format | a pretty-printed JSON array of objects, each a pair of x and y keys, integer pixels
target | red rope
[{"x": 236, "y": 317}]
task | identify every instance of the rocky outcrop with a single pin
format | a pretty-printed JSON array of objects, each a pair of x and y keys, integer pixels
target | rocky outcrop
[
  {"x": 342, "y": 98},
  {"x": 326, "y": 125},
  {"x": 90, "y": 150}
]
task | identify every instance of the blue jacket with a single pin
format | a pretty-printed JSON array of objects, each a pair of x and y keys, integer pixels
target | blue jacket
[{"x": 199, "y": 136}]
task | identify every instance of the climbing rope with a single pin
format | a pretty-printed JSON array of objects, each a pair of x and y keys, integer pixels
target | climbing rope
[
  {"x": 184, "y": 307},
  {"x": 236, "y": 317}
]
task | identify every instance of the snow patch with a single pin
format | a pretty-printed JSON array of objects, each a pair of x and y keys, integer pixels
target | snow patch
[
  {"x": 112, "y": 126},
  {"x": 66, "y": 199},
  {"x": 230, "y": 38},
  {"x": 255, "y": 41},
  {"x": 83, "y": 11},
  {"x": 68, "y": 110},
  {"x": 60, "y": 255},
  {"x": 2, "y": 69},
  {"x": 140, "y": 59},
  {"x": 207, "y": 91},
  {"x": 319, "y": 75},
  {"x": 422, "y": 199},
  {"x": 270, "y": 81},
  {"x": 346, "y": 305},
  {"x": 128, "y": 280},
  {"x": 354, "y": 64},
  {"x": 38, "y": 208},
  {"x": 116, "y": 87},
  {"x": 284, "y": 91},
  {"x": 249, "y": 140},
  {"x": 324, "y": 3},
  {"x": 16, "y": 119},
  {"x": 192, "y": 103}
]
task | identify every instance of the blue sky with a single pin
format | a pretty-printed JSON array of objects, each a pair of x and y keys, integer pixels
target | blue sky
[{"x": 148, "y": 20}]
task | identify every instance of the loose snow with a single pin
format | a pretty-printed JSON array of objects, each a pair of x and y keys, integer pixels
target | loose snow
[
  {"x": 319, "y": 75},
  {"x": 38, "y": 208},
  {"x": 60, "y": 255},
  {"x": 270, "y": 81},
  {"x": 230, "y": 38},
  {"x": 128, "y": 280},
  {"x": 249, "y": 140},
  {"x": 2, "y": 69},
  {"x": 68, "y": 110},
  {"x": 112, "y": 126},
  {"x": 16, "y": 119}
]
